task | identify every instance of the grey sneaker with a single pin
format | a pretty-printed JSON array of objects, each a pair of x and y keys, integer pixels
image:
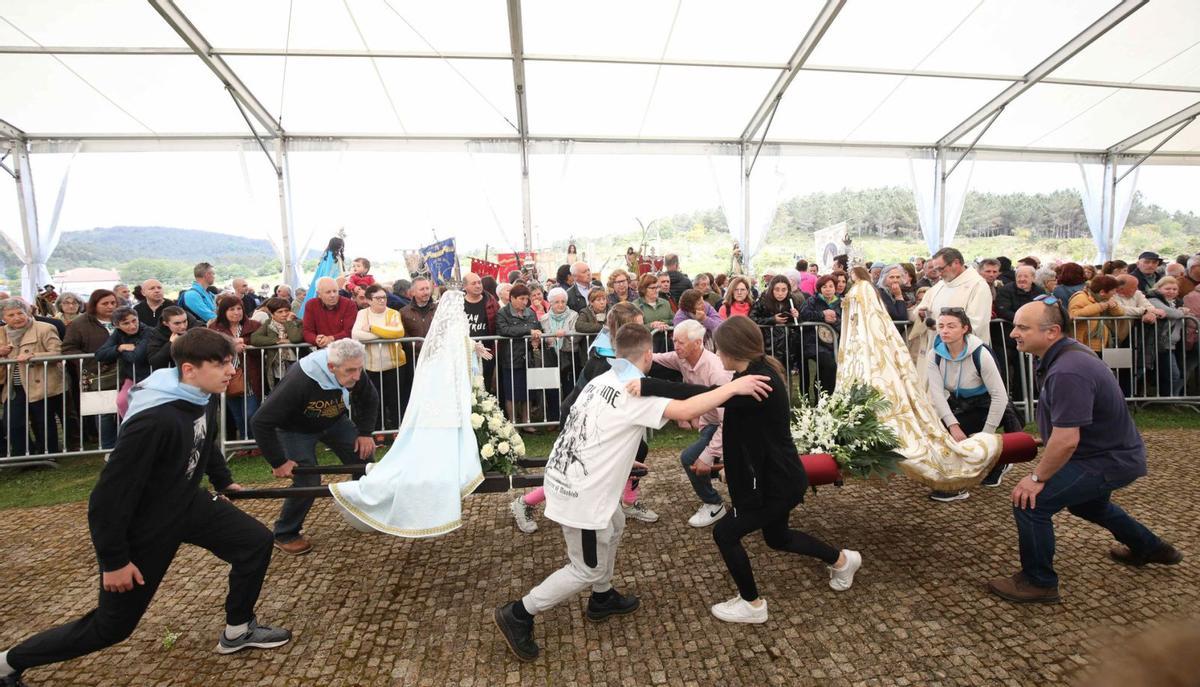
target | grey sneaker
[
  {"x": 639, "y": 512},
  {"x": 523, "y": 514},
  {"x": 256, "y": 637}
]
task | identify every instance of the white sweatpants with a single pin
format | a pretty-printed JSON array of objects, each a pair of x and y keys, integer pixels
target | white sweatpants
[{"x": 591, "y": 555}]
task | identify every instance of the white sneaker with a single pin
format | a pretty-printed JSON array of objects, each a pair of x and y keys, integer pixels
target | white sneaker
[
  {"x": 736, "y": 610},
  {"x": 707, "y": 515},
  {"x": 841, "y": 580},
  {"x": 639, "y": 512},
  {"x": 523, "y": 515}
]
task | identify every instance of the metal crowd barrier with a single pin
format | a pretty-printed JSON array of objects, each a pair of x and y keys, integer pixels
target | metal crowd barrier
[{"x": 531, "y": 380}]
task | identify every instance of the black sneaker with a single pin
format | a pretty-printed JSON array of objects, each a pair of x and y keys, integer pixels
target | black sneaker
[
  {"x": 949, "y": 496},
  {"x": 256, "y": 637},
  {"x": 517, "y": 633},
  {"x": 612, "y": 604},
  {"x": 13, "y": 680},
  {"x": 993, "y": 478}
]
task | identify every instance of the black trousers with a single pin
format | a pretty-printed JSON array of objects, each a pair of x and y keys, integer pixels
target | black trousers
[
  {"x": 218, "y": 526},
  {"x": 773, "y": 521},
  {"x": 387, "y": 385}
]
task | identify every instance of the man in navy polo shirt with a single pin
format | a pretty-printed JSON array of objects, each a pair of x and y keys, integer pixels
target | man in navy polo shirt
[{"x": 1092, "y": 449}]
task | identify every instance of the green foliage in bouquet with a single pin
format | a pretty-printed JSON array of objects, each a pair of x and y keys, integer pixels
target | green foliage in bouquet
[
  {"x": 500, "y": 445},
  {"x": 845, "y": 424}
]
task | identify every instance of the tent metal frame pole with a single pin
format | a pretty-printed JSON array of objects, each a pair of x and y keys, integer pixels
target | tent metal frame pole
[
  {"x": 939, "y": 195},
  {"x": 807, "y": 45},
  {"x": 517, "y": 41},
  {"x": 747, "y": 167},
  {"x": 183, "y": 26},
  {"x": 27, "y": 203},
  {"x": 291, "y": 270},
  {"x": 1187, "y": 114},
  {"x": 1072, "y": 47},
  {"x": 1109, "y": 219},
  {"x": 1138, "y": 163}
]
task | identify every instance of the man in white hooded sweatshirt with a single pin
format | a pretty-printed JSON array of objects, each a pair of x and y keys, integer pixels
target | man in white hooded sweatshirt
[{"x": 960, "y": 287}]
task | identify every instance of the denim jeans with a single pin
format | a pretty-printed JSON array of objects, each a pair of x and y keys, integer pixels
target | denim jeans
[
  {"x": 18, "y": 424},
  {"x": 243, "y": 408},
  {"x": 302, "y": 448},
  {"x": 1086, "y": 495},
  {"x": 701, "y": 484}
]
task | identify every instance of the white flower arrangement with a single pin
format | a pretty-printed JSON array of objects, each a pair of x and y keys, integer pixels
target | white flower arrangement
[
  {"x": 845, "y": 424},
  {"x": 499, "y": 444}
]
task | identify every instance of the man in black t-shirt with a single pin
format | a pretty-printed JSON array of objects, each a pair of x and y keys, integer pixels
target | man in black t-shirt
[
  {"x": 1092, "y": 449},
  {"x": 481, "y": 308}
]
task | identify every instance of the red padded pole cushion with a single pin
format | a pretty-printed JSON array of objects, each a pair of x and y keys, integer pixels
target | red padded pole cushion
[
  {"x": 1018, "y": 447},
  {"x": 822, "y": 469}
]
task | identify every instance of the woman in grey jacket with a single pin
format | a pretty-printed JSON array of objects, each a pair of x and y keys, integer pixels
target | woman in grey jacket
[
  {"x": 1170, "y": 332},
  {"x": 965, "y": 386}
]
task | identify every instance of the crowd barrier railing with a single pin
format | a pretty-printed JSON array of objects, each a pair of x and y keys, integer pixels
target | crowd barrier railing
[{"x": 66, "y": 405}]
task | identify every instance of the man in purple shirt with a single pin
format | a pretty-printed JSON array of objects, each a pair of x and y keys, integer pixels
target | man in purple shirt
[{"x": 1092, "y": 449}]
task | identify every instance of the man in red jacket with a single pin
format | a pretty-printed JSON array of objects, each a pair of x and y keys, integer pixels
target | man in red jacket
[{"x": 328, "y": 317}]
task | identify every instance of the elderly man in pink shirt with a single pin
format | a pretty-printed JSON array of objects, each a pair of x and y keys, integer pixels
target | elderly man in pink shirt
[{"x": 700, "y": 366}]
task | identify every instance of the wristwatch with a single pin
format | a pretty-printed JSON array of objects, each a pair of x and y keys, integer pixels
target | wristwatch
[{"x": 1033, "y": 476}]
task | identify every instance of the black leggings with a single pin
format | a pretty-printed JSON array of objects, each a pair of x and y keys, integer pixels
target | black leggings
[
  {"x": 773, "y": 521},
  {"x": 218, "y": 526}
]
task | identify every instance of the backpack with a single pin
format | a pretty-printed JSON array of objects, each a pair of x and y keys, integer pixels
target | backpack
[{"x": 1010, "y": 422}]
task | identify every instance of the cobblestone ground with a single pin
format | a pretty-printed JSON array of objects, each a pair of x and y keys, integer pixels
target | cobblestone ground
[{"x": 373, "y": 610}]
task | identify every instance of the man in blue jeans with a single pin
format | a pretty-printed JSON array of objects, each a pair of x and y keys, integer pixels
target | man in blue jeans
[
  {"x": 700, "y": 366},
  {"x": 309, "y": 405},
  {"x": 1092, "y": 449}
]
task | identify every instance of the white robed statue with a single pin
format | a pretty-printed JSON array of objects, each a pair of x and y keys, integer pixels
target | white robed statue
[
  {"x": 873, "y": 352},
  {"x": 416, "y": 489}
]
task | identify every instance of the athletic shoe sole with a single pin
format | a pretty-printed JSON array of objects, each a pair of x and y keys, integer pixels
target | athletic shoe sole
[
  {"x": 741, "y": 619},
  {"x": 950, "y": 499},
  {"x": 222, "y": 649},
  {"x": 508, "y": 641}
]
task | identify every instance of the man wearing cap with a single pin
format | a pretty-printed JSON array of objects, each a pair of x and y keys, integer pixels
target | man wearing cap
[{"x": 1147, "y": 272}]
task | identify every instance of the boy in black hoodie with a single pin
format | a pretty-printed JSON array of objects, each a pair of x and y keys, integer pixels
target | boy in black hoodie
[{"x": 148, "y": 501}]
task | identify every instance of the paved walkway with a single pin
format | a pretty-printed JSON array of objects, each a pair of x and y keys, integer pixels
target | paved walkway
[{"x": 373, "y": 610}]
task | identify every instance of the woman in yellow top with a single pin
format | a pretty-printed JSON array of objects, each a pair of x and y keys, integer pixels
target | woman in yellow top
[
  {"x": 1095, "y": 300},
  {"x": 384, "y": 360}
]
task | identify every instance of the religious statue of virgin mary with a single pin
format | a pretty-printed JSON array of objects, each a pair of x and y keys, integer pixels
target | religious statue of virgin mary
[{"x": 416, "y": 489}]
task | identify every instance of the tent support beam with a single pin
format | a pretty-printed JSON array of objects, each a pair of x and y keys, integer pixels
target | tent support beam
[
  {"x": 516, "y": 39},
  {"x": 974, "y": 143},
  {"x": 27, "y": 203},
  {"x": 1085, "y": 38},
  {"x": 1185, "y": 115},
  {"x": 1147, "y": 156},
  {"x": 807, "y": 45},
  {"x": 183, "y": 26},
  {"x": 288, "y": 258}
]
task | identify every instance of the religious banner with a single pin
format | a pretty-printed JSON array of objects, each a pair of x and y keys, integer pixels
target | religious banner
[
  {"x": 484, "y": 268},
  {"x": 441, "y": 259},
  {"x": 829, "y": 243},
  {"x": 513, "y": 261}
]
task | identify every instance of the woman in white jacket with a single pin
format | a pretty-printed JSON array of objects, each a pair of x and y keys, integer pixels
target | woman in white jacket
[{"x": 965, "y": 386}]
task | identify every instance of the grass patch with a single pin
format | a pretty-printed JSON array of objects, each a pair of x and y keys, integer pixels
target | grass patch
[{"x": 72, "y": 481}]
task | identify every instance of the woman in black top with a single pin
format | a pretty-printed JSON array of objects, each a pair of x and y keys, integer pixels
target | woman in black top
[{"x": 763, "y": 470}]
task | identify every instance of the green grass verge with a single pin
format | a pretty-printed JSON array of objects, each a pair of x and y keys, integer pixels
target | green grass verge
[{"x": 72, "y": 481}]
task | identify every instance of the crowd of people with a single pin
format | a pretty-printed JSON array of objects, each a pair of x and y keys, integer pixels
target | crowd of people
[
  {"x": 729, "y": 345},
  {"x": 121, "y": 335}
]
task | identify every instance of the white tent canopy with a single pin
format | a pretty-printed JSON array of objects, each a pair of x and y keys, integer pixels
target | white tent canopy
[{"x": 1106, "y": 84}]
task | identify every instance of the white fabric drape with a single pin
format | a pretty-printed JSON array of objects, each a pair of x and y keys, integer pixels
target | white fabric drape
[
  {"x": 766, "y": 185},
  {"x": 1096, "y": 189},
  {"x": 38, "y": 240},
  {"x": 925, "y": 170}
]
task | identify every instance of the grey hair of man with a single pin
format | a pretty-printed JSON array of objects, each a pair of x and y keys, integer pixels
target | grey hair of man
[
  {"x": 344, "y": 350},
  {"x": 689, "y": 330},
  {"x": 1026, "y": 268}
]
